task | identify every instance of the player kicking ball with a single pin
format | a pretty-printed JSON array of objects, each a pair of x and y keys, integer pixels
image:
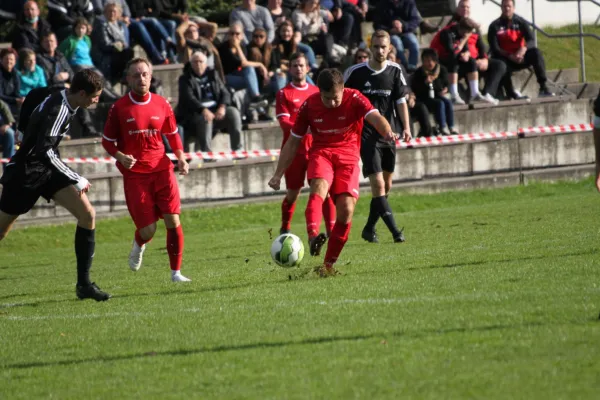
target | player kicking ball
[
  {"x": 36, "y": 170},
  {"x": 335, "y": 117},
  {"x": 288, "y": 102},
  {"x": 383, "y": 83},
  {"x": 133, "y": 135}
]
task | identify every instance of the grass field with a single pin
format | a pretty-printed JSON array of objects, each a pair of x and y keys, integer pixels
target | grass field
[{"x": 494, "y": 295}]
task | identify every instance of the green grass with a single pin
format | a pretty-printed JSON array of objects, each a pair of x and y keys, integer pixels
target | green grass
[
  {"x": 494, "y": 295},
  {"x": 564, "y": 53}
]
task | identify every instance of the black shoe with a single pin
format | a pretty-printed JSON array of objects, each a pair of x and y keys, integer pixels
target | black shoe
[
  {"x": 283, "y": 231},
  {"x": 399, "y": 238},
  {"x": 316, "y": 243},
  {"x": 369, "y": 236},
  {"x": 518, "y": 96},
  {"x": 91, "y": 291},
  {"x": 544, "y": 92}
]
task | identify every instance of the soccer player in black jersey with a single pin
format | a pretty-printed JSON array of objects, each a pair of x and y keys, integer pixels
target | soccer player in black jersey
[
  {"x": 383, "y": 83},
  {"x": 37, "y": 170}
]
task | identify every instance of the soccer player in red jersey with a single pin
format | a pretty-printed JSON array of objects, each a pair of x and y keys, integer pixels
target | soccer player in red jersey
[
  {"x": 289, "y": 100},
  {"x": 133, "y": 135},
  {"x": 335, "y": 117}
]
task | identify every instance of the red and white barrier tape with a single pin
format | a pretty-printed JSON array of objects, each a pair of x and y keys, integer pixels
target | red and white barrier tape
[
  {"x": 418, "y": 142},
  {"x": 556, "y": 129}
]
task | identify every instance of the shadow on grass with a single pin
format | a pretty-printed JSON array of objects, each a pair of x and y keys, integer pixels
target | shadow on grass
[
  {"x": 266, "y": 345},
  {"x": 509, "y": 260}
]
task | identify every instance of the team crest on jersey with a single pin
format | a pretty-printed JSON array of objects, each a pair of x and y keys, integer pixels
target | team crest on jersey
[
  {"x": 296, "y": 100},
  {"x": 154, "y": 117},
  {"x": 368, "y": 84},
  {"x": 131, "y": 119},
  {"x": 318, "y": 120}
]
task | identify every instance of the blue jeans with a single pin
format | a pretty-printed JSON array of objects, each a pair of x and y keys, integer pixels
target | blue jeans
[
  {"x": 278, "y": 82},
  {"x": 170, "y": 26},
  {"x": 244, "y": 79},
  {"x": 140, "y": 34},
  {"x": 443, "y": 110},
  {"x": 409, "y": 41},
  {"x": 8, "y": 143},
  {"x": 309, "y": 53}
]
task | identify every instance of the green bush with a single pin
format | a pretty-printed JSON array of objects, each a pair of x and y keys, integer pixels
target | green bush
[{"x": 213, "y": 10}]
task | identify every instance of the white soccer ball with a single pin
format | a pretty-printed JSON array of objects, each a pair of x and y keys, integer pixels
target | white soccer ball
[{"x": 287, "y": 250}]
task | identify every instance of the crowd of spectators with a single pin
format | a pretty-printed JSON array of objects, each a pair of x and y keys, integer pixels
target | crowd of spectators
[{"x": 228, "y": 80}]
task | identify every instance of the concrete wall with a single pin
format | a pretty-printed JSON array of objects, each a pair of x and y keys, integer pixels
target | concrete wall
[
  {"x": 547, "y": 13},
  {"x": 448, "y": 165}
]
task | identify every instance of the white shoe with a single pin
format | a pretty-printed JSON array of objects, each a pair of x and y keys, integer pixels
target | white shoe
[
  {"x": 177, "y": 277},
  {"x": 135, "y": 257},
  {"x": 487, "y": 98},
  {"x": 457, "y": 100}
]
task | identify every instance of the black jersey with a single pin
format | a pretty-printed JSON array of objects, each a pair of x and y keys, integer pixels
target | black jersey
[
  {"x": 38, "y": 157},
  {"x": 384, "y": 88}
]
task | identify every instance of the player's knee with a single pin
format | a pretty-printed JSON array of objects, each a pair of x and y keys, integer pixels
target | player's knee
[{"x": 88, "y": 217}]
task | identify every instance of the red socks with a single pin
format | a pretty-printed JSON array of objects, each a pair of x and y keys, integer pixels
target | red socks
[
  {"x": 313, "y": 214},
  {"x": 287, "y": 212},
  {"x": 337, "y": 240},
  {"x": 139, "y": 240},
  {"x": 329, "y": 214},
  {"x": 175, "y": 247}
]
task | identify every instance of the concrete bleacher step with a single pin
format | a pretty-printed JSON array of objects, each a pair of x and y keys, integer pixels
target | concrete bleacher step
[{"x": 484, "y": 118}]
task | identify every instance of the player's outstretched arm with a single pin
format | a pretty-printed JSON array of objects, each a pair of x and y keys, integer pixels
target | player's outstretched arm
[
  {"x": 381, "y": 125},
  {"x": 597, "y": 147},
  {"x": 288, "y": 152}
]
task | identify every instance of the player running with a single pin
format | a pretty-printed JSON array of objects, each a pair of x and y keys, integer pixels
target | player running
[
  {"x": 37, "y": 170},
  {"x": 383, "y": 83},
  {"x": 289, "y": 100},
  {"x": 133, "y": 135},
  {"x": 335, "y": 117}
]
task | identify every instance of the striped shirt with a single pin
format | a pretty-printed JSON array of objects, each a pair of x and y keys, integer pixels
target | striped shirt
[{"x": 47, "y": 125}]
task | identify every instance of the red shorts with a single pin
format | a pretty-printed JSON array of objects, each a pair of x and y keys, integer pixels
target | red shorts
[
  {"x": 340, "y": 170},
  {"x": 150, "y": 196},
  {"x": 296, "y": 172}
]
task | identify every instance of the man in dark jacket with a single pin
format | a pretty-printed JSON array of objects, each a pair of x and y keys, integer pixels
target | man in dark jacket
[
  {"x": 511, "y": 41},
  {"x": 203, "y": 101},
  {"x": 401, "y": 19},
  {"x": 29, "y": 29}
]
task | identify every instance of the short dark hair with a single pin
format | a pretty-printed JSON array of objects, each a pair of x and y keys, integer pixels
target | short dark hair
[
  {"x": 513, "y": 1},
  {"x": 430, "y": 53},
  {"x": 88, "y": 81},
  {"x": 330, "y": 79},
  {"x": 81, "y": 21},
  {"x": 363, "y": 51},
  {"x": 46, "y": 34},
  {"x": 467, "y": 24},
  {"x": 296, "y": 56}
]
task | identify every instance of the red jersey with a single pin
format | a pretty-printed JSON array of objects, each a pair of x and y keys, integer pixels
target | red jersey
[
  {"x": 334, "y": 128},
  {"x": 289, "y": 100},
  {"x": 136, "y": 125}
]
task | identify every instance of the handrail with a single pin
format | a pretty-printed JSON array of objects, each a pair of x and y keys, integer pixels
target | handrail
[{"x": 579, "y": 35}]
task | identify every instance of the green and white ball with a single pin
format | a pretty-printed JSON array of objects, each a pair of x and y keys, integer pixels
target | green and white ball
[{"x": 287, "y": 250}]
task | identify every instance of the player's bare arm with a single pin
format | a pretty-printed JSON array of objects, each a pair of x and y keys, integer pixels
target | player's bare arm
[
  {"x": 597, "y": 147},
  {"x": 381, "y": 125},
  {"x": 182, "y": 164},
  {"x": 288, "y": 152},
  {"x": 402, "y": 109},
  {"x": 126, "y": 160}
]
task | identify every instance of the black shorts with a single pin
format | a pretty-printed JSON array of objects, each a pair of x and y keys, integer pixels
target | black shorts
[
  {"x": 377, "y": 159},
  {"x": 18, "y": 198}
]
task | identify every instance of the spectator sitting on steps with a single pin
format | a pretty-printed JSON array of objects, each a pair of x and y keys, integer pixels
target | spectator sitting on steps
[
  {"x": 204, "y": 103},
  {"x": 512, "y": 41},
  {"x": 7, "y": 130},
  {"x": 30, "y": 28},
  {"x": 430, "y": 85},
  {"x": 461, "y": 50}
]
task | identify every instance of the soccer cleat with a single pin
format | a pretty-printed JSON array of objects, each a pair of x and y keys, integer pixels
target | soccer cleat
[
  {"x": 91, "y": 291},
  {"x": 135, "y": 256},
  {"x": 283, "y": 230},
  {"x": 399, "y": 238},
  {"x": 177, "y": 277},
  {"x": 316, "y": 243},
  {"x": 370, "y": 237},
  {"x": 325, "y": 271}
]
